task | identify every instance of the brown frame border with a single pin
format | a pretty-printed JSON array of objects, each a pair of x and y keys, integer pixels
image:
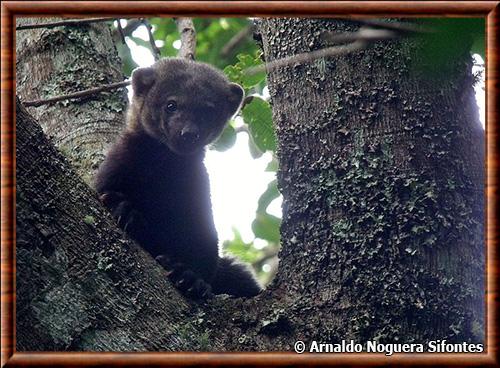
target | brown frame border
[{"x": 10, "y": 9}]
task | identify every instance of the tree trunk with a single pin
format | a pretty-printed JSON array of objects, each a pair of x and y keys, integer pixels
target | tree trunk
[
  {"x": 81, "y": 285},
  {"x": 382, "y": 174},
  {"x": 62, "y": 60},
  {"x": 382, "y": 234}
]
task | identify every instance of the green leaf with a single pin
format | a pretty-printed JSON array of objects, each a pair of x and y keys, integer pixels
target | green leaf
[
  {"x": 236, "y": 73},
  {"x": 479, "y": 46},
  {"x": 226, "y": 139},
  {"x": 273, "y": 165},
  {"x": 268, "y": 196},
  {"x": 255, "y": 152},
  {"x": 213, "y": 34},
  {"x": 245, "y": 251},
  {"x": 258, "y": 116},
  {"x": 168, "y": 50},
  {"x": 446, "y": 41},
  {"x": 163, "y": 27},
  {"x": 266, "y": 226}
]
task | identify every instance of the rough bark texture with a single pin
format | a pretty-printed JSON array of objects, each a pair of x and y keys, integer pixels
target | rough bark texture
[
  {"x": 62, "y": 60},
  {"x": 382, "y": 174},
  {"x": 80, "y": 284}
]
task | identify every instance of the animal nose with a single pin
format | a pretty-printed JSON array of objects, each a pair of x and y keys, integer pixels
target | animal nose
[{"x": 189, "y": 135}]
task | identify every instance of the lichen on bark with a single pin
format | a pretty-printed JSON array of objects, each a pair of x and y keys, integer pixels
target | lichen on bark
[
  {"x": 381, "y": 171},
  {"x": 62, "y": 60}
]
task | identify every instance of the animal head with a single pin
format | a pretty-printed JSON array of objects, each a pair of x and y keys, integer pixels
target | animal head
[{"x": 182, "y": 103}]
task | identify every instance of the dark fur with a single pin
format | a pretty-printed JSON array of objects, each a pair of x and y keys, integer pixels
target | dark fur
[{"x": 154, "y": 181}]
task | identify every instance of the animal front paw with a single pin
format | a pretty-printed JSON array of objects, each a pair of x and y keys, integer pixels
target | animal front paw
[
  {"x": 129, "y": 219},
  {"x": 126, "y": 216},
  {"x": 111, "y": 199},
  {"x": 188, "y": 282}
]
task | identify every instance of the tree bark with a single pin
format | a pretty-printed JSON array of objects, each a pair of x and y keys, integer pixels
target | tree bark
[
  {"x": 62, "y": 60},
  {"x": 81, "y": 285},
  {"x": 382, "y": 235},
  {"x": 382, "y": 175}
]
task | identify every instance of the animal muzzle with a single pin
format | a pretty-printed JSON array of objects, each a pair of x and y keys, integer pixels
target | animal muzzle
[{"x": 189, "y": 136}]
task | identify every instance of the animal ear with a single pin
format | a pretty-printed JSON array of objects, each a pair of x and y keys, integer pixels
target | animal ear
[
  {"x": 236, "y": 97},
  {"x": 142, "y": 80}
]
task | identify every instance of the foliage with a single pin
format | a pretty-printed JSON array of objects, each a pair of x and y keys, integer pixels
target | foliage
[
  {"x": 237, "y": 72},
  {"x": 445, "y": 39},
  {"x": 226, "y": 140},
  {"x": 258, "y": 116},
  {"x": 266, "y": 226},
  {"x": 238, "y": 247}
]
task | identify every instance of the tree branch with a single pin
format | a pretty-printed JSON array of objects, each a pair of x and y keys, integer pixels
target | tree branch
[
  {"x": 68, "y": 22},
  {"x": 188, "y": 38},
  {"x": 359, "y": 39},
  {"x": 374, "y": 31},
  {"x": 80, "y": 94},
  {"x": 308, "y": 56},
  {"x": 235, "y": 41},
  {"x": 363, "y": 34},
  {"x": 399, "y": 27},
  {"x": 120, "y": 32},
  {"x": 131, "y": 26},
  {"x": 154, "y": 48},
  {"x": 187, "y": 50}
]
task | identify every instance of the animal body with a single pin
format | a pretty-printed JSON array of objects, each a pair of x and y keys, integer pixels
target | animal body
[{"x": 155, "y": 184}]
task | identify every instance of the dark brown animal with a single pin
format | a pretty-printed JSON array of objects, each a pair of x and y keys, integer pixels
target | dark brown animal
[{"x": 154, "y": 181}]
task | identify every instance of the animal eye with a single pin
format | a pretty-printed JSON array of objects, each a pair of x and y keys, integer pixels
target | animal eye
[{"x": 171, "y": 106}]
